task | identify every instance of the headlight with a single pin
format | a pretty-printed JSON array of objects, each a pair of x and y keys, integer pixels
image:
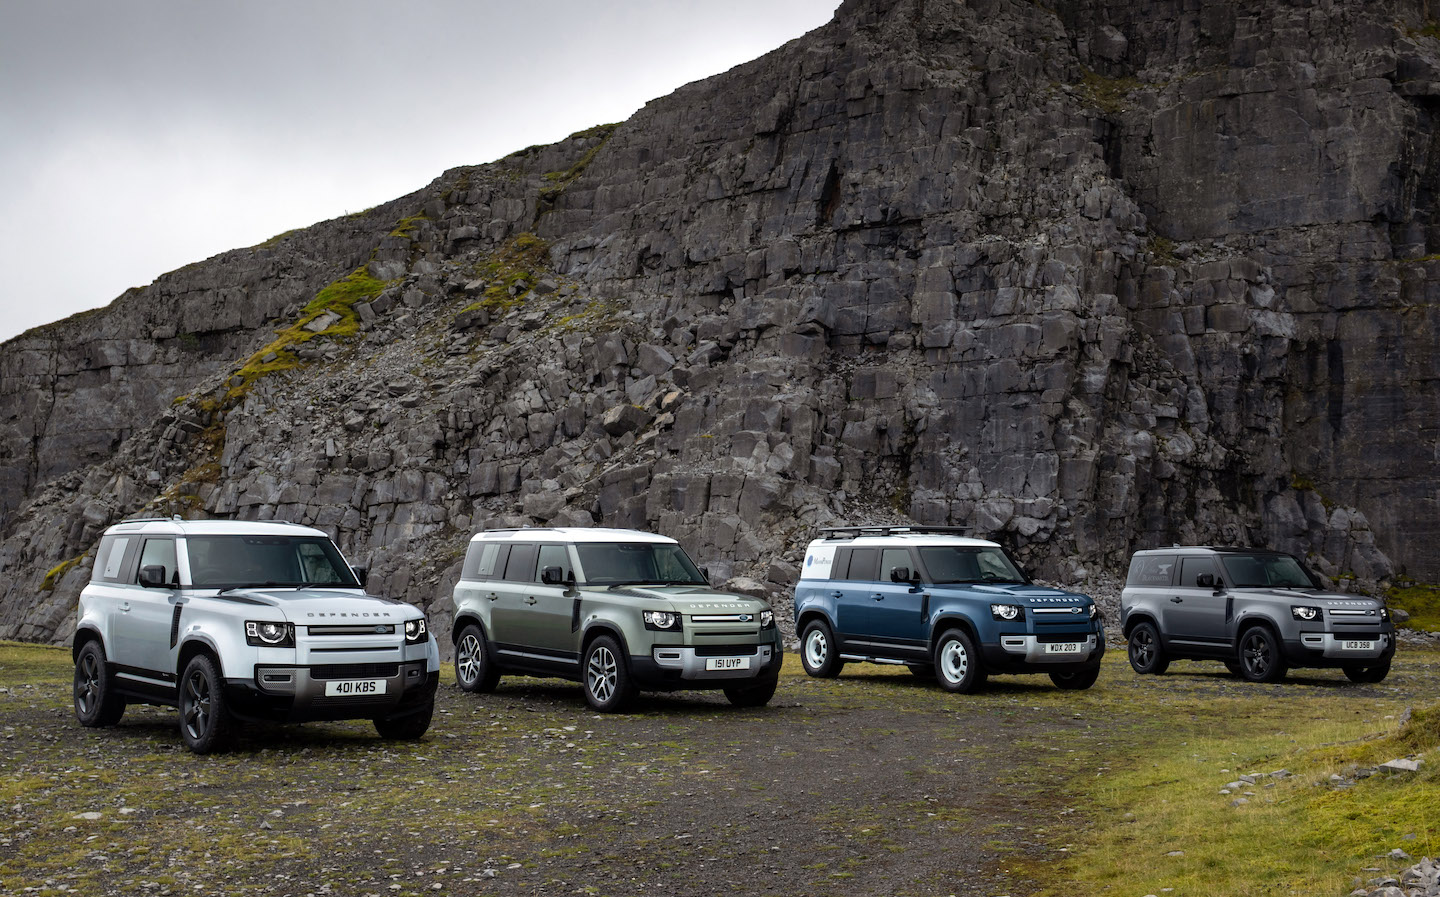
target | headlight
[
  {"x": 767, "y": 619},
  {"x": 1094, "y": 611},
  {"x": 662, "y": 620},
  {"x": 1007, "y": 612},
  {"x": 416, "y": 632},
  {"x": 265, "y": 634},
  {"x": 1384, "y": 613},
  {"x": 1304, "y": 612}
]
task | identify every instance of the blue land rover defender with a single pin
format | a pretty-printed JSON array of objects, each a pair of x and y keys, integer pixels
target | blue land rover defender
[{"x": 939, "y": 603}]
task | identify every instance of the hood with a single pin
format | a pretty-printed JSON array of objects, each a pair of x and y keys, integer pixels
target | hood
[
  {"x": 1026, "y": 595},
  {"x": 698, "y": 599},
  {"x": 328, "y": 605},
  {"x": 1334, "y": 600}
]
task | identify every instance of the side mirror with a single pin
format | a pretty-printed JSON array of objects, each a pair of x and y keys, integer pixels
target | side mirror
[
  {"x": 900, "y": 574},
  {"x": 552, "y": 576},
  {"x": 705, "y": 572},
  {"x": 152, "y": 576},
  {"x": 362, "y": 574}
]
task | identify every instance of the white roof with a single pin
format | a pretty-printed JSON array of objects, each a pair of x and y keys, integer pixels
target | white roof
[
  {"x": 905, "y": 539},
  {"x": 177, "y": 527},
  {"x": 568, "y": 534}
]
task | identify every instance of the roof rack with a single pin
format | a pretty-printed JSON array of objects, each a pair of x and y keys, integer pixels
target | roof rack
[
  {"x": 170, "y": 519},
  {"x": 883, "y": 529}
]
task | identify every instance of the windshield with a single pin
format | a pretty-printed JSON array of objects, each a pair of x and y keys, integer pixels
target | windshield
[
  {"x": 637, "y": 563},
  {"x": 1256, "y": 571},
  {"x": 232, "y": 562},
  {"x": 949, "y": 563}
]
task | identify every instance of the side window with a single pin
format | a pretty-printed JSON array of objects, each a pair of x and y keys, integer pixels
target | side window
[
  {"x": 890, "y": 558},
  {"x": 483, "y": 561},
  {"x": 110, "y": 559},
  {"x": 863, "y": 564},
  {"x": 840, "y": 564},
  {"x": 1152, "y": 570},
  {"x": 1190, "y": 568},
  {"x": 556, "y": 556},
  {"x": 521, "y": 565},
  {"x": 160, "y": 553}
]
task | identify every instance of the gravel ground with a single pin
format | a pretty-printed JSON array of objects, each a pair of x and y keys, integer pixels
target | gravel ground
[
  {"x": 876, "y": 783},
  {"x": 872, "y": 784}
]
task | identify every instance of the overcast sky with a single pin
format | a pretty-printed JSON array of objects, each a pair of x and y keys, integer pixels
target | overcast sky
[{"x": 137, "y": 136}]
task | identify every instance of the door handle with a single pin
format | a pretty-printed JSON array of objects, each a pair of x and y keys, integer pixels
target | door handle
[
  {"x": 125, "y": 607},
  {"x": 878, "y": 596},
  {"x": 837, "y": 594},
  {"x": 529, "y": 599},
  {"x": 1177, "y": 600},
  {"x": 493, "y": 597}
]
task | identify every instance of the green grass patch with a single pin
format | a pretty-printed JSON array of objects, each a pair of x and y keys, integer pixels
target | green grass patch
[
  {"x": 1418, "y": 599},
  {"x": 1154, "y": 817},
  {"x": 557, "y": 181},
  {"x": 57, "y": 572},
  {"x": 510, "y": 271},
  {"x": 1107, "y": 94},
  {"x": 339, "y": 298}
]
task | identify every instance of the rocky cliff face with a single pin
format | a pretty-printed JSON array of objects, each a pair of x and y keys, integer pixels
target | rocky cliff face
[{"x": 1088, "y": 279}]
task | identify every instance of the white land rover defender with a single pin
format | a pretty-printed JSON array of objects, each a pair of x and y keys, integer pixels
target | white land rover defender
[{"x": 230, "y": 620}]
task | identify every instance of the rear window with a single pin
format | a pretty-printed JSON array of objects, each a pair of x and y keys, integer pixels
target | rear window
[
  {"x": 484, "y": 560},
  {"x": 1151, "y": 570}
]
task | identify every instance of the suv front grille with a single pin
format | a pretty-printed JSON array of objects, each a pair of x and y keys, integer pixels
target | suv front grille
[
  {"x": 355, "y": 671},
  {"x": 354, "y": 629}
]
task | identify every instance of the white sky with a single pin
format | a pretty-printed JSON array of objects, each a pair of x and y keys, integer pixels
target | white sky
[{"x": 137, "y": 136}]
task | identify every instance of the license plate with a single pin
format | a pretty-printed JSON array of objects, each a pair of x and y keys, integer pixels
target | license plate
[
  {"x": 351, "y": 687},
  {"x": 727, "y": 663},
  {"x": 1063, "y": 648},
  {"x": 1354, "y": 645}
]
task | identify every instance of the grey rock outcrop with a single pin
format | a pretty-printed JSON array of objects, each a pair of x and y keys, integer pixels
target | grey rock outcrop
[{"x": 1089, "y": 279}]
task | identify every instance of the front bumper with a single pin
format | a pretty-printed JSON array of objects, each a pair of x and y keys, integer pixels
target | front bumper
[
  {"x": 281, "y": 693},
  {"x": 681, "y": 666},
  {"x": 1329, "y": 649},
  {"x": 1023, "y": 653}
]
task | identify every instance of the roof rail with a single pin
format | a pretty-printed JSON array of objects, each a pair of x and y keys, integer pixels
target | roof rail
[
  {"x": 151, "y": 519},
  {"x": 885, "y": 529}
]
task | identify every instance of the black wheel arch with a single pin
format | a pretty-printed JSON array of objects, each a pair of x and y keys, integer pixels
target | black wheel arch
[
  {"x": 810, "y": 615},
  {"x": 604, "y": 627},
  {"x": 468, "y": 618},
  {"x": 83, "y": 636},
  {"x": 1135, "y": 618},
  {"x": 198, "y": 643},
  {"x": 954, "y": 621}
]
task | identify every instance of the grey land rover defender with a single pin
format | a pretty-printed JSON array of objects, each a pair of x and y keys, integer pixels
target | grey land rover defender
[{"x": 1259, "y": 612}]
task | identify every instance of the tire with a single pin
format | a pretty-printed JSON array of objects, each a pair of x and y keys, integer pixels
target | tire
[
  {"x": 1077, "y": 680},
  {"x": 1146, "y": 656},
  {"x": 204, "y": 716},
  {"x": 608, "y": 688},
  {"x": 1357, "y": 672},
  {"x": 957, "y": 665},
  {"x": 1259, "y": 656},
  {"x": 408, "y": 727},
  {"x": 96, "y": 704},
  {"x": 755, "y": 694},
  {"x": 817, "y": 651},
  {"x": 475, "y": 670}
]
